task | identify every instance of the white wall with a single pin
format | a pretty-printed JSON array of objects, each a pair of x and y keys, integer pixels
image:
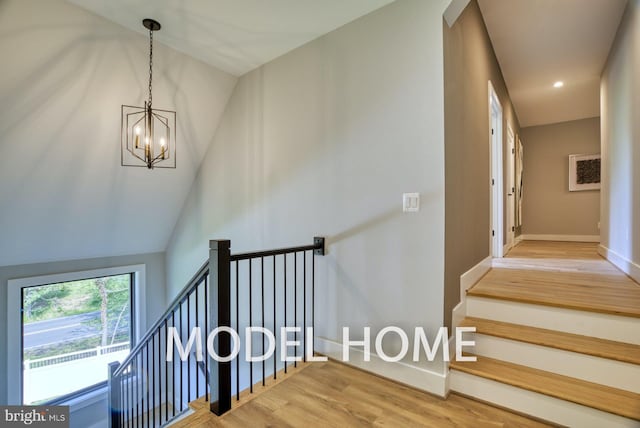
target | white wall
[
  {"x": 155, "y": 306},
  {"x": 323, "y": 141},
  {"x": 65, "y": 74},
  {"x": 620, "y": 99}
]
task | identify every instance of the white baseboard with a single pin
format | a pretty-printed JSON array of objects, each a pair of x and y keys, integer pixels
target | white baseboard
[
  {"x": 565, "y": 238},
  {"x": 458, "y": 314},
  {"x": 473, "y": 275},
  {"x": 468, "y": 280},
  {"x": 625, "y": 265},
  {"x": 416, "y": 377},
  {"x": 518, "y": 239}
]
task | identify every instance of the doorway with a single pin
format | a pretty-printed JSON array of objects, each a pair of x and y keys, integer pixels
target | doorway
[
  {"x": 510, "y": 189},
  {"x": 495, "y": 143}
]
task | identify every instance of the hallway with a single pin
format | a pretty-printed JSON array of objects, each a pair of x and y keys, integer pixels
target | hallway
[{"x": 563, "y": 274}]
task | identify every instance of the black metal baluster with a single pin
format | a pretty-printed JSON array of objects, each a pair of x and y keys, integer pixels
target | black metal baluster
[
  {"x": 284, "y": 357},
  {"x": 295, "y": 304},
  {"x": 173, "y": 372},
  {"x": 206, "y": 324},
  {"x": 205, "y": 344},
  {"x": 238, "y": 328},
  {"x": 153, "y": 374},
  {"x": 180, "y": 362},
  {"x": 313, "y": 303},
  {"x": 262, "y": 300},
  {"x": 189, "y": 358},
  {"x": 304, "y": 307},
  {"x": 125, "y": 407},
  {"x": 166, "y": 371},
  {"x": 250, "y": 325},
  {"x": 137, "y": 359},
  {"x": 275, "y": 328},
  {"x": 123, "y": 390},
  {"x": 146, "y": 370}
]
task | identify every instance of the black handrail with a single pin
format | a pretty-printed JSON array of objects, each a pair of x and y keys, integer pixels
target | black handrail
[
  {"x": 317, "y": 246},
  {"x": 186, "y": 291}
]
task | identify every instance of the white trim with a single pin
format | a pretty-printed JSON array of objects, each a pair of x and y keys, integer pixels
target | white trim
[
  {"x": 468, "y": 280},
  {"x": 510, "y": 188},
  {"x": 594, "y": 324},
  {"x": 532, "y": 403},
  {"x": 473, "y": 275},
  {"x": 496, "y": 172},
  {"x": 417, "y": 377},
  {"x": 625, "y": 265},
  {"x": 564, "y": 238},
  {"x": 518, "y": 240},
  {"x": 454, "y": 10},
  {"x": 14, "y": 288},
  {"x": 603, "y": 371}
]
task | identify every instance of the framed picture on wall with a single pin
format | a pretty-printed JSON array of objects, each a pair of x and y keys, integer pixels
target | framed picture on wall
[{"x": 584, "y": 172}]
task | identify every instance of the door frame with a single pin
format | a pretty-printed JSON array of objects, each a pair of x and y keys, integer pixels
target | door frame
[
  {"x": 510, "y": 189},
  {"x": 496, "y": 229}
]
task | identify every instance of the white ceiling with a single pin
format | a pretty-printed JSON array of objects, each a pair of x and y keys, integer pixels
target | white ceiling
[
  {"x": 538, "y": 42},
  {"x": 234, "y": 35},
  {"x": 65, "y": 73}
]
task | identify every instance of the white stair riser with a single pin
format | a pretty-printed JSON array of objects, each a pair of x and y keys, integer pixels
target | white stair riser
[
  {"x": 532, "y": 403},
  {"x": 615, "y": 374},
  {"x": 604, "y": 326}
]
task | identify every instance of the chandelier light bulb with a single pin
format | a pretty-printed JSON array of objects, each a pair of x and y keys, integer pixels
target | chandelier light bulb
[{"x": 141, "y": 124}]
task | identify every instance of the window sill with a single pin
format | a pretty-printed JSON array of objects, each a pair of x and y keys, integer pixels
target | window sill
[{"x": 87, "y": 399}]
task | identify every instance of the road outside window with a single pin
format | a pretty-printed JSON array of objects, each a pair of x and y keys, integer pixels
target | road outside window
[{"x": 71, "y": 331}]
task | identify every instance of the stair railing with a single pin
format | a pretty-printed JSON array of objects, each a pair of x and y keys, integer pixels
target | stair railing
[{"x": 149, "y": 390}]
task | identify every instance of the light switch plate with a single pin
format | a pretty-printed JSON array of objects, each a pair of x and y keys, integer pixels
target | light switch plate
[{"x": 410, "y": 202}]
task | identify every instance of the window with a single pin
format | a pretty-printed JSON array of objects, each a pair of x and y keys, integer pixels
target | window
[
  {"x": 70, "y": 333},
  {"x": 65, "y": 329}
]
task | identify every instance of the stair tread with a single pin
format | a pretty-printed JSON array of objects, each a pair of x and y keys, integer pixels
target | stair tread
[
  {"x": 605, "y": 398},
  {"x": 619, "y": 351}
]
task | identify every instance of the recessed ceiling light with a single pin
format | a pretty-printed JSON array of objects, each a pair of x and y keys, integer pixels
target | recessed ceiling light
[{"x": 558, "y": 84}]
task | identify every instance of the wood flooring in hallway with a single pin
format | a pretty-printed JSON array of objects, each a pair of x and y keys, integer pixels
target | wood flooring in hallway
[{"x": 562, "y": 274}]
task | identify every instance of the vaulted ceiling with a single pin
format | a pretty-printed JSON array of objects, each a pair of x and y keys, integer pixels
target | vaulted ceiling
[
  {"x": 65, "y": 73},
  {"x": 540, "y": 42},
  {"x": 235, "y": 35}
]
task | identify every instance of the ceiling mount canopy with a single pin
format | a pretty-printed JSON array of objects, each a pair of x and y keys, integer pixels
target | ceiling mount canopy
[{"x": 148, "y": 135}]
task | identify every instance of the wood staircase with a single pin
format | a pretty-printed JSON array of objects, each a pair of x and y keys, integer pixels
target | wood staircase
[{"x": 557, "y": 338}]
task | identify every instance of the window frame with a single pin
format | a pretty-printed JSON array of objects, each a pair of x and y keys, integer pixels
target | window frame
[{"x": 14, "y": 324}]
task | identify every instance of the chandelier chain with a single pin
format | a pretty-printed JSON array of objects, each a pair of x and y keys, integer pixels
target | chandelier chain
[{"x": 150, "y": 64}]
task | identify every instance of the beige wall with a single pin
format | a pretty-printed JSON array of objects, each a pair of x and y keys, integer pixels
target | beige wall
[
  {"x": 620, "y": 105},
  {"x": 469, "y": 62},
  {"x": 548, "y": 208}
]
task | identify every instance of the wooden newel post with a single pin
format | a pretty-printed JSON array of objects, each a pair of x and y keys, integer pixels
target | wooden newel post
[
  {"x": 114, "y": 396},
  {"x": 220, "y": 316}
]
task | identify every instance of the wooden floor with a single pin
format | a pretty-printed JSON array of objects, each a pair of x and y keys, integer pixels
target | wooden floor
[
  {"x": 562, "y": 274},
  {"x": 332, "y": 394}
]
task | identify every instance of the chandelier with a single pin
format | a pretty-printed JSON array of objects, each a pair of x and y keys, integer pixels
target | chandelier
[{"x": 148, "y": 134}]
